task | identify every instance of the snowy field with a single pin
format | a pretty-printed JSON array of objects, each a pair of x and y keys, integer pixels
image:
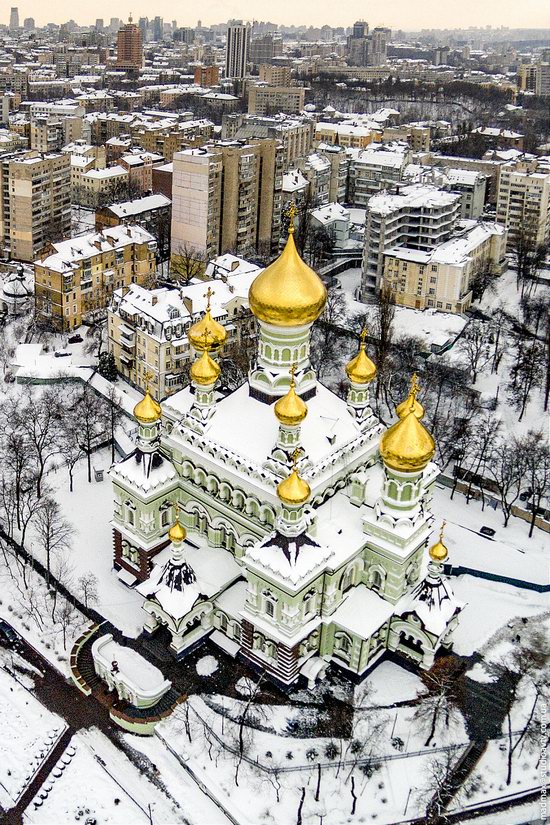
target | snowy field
[
  {"x": 99, "y": 782},
  {"x": 29, "y": 730}
]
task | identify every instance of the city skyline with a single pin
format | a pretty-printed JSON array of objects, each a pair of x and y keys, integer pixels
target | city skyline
[{"x": 428, "y": 15}]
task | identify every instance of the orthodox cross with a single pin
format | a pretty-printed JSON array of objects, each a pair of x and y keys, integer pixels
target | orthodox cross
[
  {"x": 363, "y": 336},
  {"x": 295, "y": 456},
  {"x": 148, "y": 377},
  {"x": 441, "y": 532},
  {"x": 291, "y": 214},
  {"x": 208, "y": 294}
]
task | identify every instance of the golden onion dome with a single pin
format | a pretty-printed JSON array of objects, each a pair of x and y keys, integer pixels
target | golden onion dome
[
  {"x": 204, "y": 370},
  {"x": 403, "y": 408},
  {"x": 207, "y": 333},
  {"x": 361, "y": 369},
  {"x": 147, "y": 411},
  {"x": 293, "y": 490},
  {"x": 290, "y": 409},
  {"x": 407, "y": 446},
  {"x": 177, "y": 531},
  {"x": 288, "y": 293},
  {"x": 438, "y": 551}
]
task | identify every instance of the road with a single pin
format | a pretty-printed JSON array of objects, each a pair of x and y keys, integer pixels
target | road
[{"x": 81, "y": 712}]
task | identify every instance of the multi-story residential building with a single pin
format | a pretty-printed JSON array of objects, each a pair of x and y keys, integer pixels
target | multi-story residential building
[
  {"x": 275, "y": 75},
  {"x": 420, "y": 217},
  {"x": 237, "y": 47},
  {"x": 147, "y": 327},
  {"x": 165, "y": 139},
  {"x": 144, "y": 211},
  {"x": 207, "y": 76},
  {"x": 339, "y": 168},
  {"x": 227, "y": 197},
  {"x": 294, "y": 134},
  {"x": 266, "y": 100},
  {"x": 471, "y": 184},
  {"x": 78, "y": 276},
  {"x": 535, "y": 78},
  {"x": 499, "y": 138},
  {"x": 264, "y": 49},
  {"x": 139, "y": 166},
  {"x": 348, "y": 135},
  {"x": 317, "y": 170},
  {"x": 374, "y": 169},
  {"x": 418, "y": 137},
  {"x": 441, "y": 278},
  {"x": 129, "y": 47},
  {"x": 523, "y": 200},
  {"x": 100, "y": 186},
  {"x": 35, "y": 206}
]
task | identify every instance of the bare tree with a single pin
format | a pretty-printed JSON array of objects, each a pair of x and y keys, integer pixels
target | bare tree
[
  {"x": 536, "y": 474},
  {"x": 87, "y": 586},
  {"x": 526, "y": 373},
  {"x": 187, "y": 264},
  {"x": 475, "y": 347},
  {"x": 52, "y": 530},
  {"x": 528, "y": 255},
  {"x": 40, "y": 422},
  {"x": 91, "y": 422},
  {"x": 506, "y": 466}
]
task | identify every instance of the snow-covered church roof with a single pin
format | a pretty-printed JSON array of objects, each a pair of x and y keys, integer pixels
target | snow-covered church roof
[{"x": 433, "y": 601}]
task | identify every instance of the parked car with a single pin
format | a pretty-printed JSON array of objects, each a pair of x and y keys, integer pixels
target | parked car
[
  {"x": 61, "y": 354},
  {"x": 75, "y": 339},
  {"x": 8, "y": 636},
  {"x": 487, "y": 531}
]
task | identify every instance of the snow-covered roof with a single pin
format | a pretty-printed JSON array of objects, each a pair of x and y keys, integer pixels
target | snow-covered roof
[
  {"x": 144, "y": 471},
  {"x": 69, "y": 253},
  {"x": 363, "y": 612},
  {"x": 455, "y": 251},
  {"x": 174, "y": 586},
  {"x": 433, "y": 601},
  {"x": 133, "y": 669},
  {"x": 416, "y": 196},
  {"x": 291, "y": 558},
  {"x": 331, "y": 212},
  {"x": 140, "y": 205},
  {"x": 294, "y": 181}
]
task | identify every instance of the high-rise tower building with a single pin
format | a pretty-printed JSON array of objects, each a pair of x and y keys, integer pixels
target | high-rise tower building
[
  {"x": 236, "y": 55},
  {"x": 14, "y": 19},
  {"x": 129, "y": 47}
]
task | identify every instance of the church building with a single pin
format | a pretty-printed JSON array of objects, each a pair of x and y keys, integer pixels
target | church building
[{"x": 281, "y": 521}]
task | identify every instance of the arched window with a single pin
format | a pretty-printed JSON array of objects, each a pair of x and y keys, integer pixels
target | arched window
[
  {"x": 269, "y": 608},
  {"x": 375, "y": 580},
  {"x": 309, "y": 603},
  {"x": 347, "y": 579},
  {"x": 223, "y": 622}
]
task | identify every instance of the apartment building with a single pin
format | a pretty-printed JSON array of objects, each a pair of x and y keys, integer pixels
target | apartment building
[
  {"x": 471, "y": 184},
  {"x": 339, "y": 168},
  {"x": 147, "y": 327},
  {"x": 207, "y": 76},
  {"x": 420, "y": 217},
  {"x": 78, "y": 276},
  {"x": 226, "y": 196},
  {"x": 100, "y": 186},
  {"x": 523, "y": 199},
  {"x": 275, "y": 75},
  {"x": 348, "y": 135},
  {"x": 294, "y": 134},
  {"x": 372, "y": 170},
  {"x": 35, "y": 206},
  {"x": 418, "y": 137},
  {"x": 266, "y": 100},
  {"x": 165, "y": 139},
  {"x": 441, "y": 278}
]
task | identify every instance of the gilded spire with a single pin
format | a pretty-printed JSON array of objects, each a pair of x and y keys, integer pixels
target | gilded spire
[
  {"x": 407, "y": 446},
  {"x": 290, "y": 409},
  {"x": 361, "y": 369},
  {"x": 403, "y": 408},
  {"x": 288, "y": 293},
  {"x": 147, "y": 411},
  {"x": 438, "y": 551},
  {"x": 216, "y": 334},
  {"x": 294, "y": 490}
]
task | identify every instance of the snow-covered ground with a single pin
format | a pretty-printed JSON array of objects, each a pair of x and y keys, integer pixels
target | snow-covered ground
[
  {"x": 29, "y": 730},
  {"x": 99, "y": 782}
]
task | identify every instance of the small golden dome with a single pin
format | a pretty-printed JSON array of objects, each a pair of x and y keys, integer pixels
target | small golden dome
[
  {"x": 207, "y": 333},
  {"x": 177, "y": 531},
  {"x": 290, "y": 409},
  {"x": 293, "y": 490},
  {"x": 403, "y": 408},
  {"x": 438, "y": 551},
  {"x": 361, "y": 369},
  {"x": 147, "y": 411},
  {"x": 407, "y": 446},
  {"x": 204, "y": 370},
  {"x": 288, "y": 293}
]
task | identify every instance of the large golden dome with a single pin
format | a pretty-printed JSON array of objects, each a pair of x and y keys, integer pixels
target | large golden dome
[
  {"x": 204, "y": 371},
  {"x": 407, "y": 446},
  {"x": 207, "y": 333},
  {"x": 288, "y": 293},
  {"x": 361, "y": 369},
  {"x": 147, "y": 411},
  {"x": 290, "y": 409},
  {"x": 403, "y": 408},
  {"x": 293, "y": 490}
]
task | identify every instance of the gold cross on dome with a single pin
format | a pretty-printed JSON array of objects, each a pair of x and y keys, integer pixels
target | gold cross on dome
[
  {"x": 415, "y": 386},
  {"x": 205, "y": 340},
  {"x": 441, "y": 532},
  {"x": 208, "y": 294},
  {"x": 148, "y": 377},
  {"x": 293, "y": 374},
  {"x": 291, "y": 214},
  {"x": 363, "y": 336},
  {"x": 295, "y": 456}
]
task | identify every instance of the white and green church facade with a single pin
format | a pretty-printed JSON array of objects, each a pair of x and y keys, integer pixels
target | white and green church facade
[{"x": 300, "y": 526}]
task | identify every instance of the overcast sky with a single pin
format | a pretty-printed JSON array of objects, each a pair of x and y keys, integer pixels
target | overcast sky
[{"x": 395, "y": 13}]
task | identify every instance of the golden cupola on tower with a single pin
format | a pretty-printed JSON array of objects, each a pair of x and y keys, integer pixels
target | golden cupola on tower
[
  {"x": 288, "y": 293},
  {"x": 403, "y": 408},
  {"x": 438, "y": 551},
  {"x": 290, "y": 409},
  {"x": 407, "y": 446},
  {"x": 204, "y": 370},
  {"x": 177, "y": 532},
  {"x": 147, "y": 411},
  {"x": 361, "y": 370},
  {"x": 207, "y": 333},
  {"x": 294, "y": 490}
]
